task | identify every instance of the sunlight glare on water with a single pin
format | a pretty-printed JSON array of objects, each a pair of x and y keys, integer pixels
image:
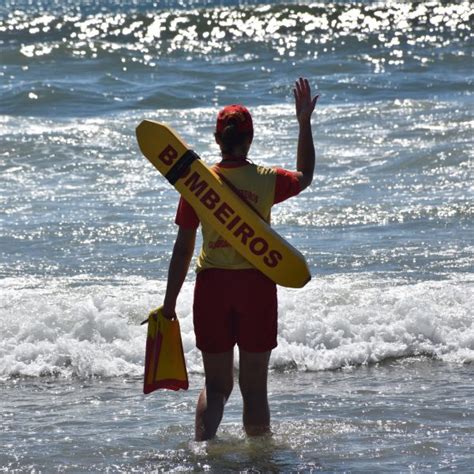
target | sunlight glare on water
[{"x": 373, "y": 369}]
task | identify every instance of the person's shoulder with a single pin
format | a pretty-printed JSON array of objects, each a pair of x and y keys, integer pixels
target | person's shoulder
[
  {"x": 265, "y": 170},
  {"x": 214, "y": 165}
]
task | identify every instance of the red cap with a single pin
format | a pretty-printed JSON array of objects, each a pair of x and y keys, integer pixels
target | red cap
[{"x": 235, "y": 111}]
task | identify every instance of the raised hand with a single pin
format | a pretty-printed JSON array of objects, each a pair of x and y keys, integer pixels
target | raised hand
[{"x": 303, "y": 101}]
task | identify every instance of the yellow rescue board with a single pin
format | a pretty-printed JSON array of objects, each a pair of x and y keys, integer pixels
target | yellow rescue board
[{"x": 221, "y": 207}]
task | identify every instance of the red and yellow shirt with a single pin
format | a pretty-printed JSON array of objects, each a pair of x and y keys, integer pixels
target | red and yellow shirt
[{"x": 261, "y": 187}]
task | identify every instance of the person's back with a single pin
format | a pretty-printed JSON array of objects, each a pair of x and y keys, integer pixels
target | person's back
[{"x": 256, "y": 186}]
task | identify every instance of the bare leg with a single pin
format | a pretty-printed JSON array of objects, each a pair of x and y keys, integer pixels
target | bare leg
[
  {"x": 253, "y": 385},
  {"x": 219, "y": 371}
]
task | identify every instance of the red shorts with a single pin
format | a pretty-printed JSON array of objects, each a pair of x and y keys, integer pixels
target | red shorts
[{"x": 235, "y": 306}]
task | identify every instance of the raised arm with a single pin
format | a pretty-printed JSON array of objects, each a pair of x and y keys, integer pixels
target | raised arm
[
  {"x": 305, "y": 159},
  {"x": 179, "y": 265}
]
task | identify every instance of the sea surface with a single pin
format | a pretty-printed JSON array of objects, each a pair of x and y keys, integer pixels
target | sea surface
[{"x": 375, "y": 363}]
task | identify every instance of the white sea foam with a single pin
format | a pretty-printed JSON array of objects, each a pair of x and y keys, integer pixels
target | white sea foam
[{"x": 92, "y": 328}]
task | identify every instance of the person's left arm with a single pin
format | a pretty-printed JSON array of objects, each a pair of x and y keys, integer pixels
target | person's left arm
[{"x": 182, "y": 254}]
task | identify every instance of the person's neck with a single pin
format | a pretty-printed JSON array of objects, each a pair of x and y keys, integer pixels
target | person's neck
[{"x": 233, "y": 158}]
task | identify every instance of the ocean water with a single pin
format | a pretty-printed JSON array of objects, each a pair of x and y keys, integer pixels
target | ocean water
[{"x": 374, "y": 367}]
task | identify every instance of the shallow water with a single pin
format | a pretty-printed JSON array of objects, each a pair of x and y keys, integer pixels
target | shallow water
[{"x": 396, "y": 416}]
